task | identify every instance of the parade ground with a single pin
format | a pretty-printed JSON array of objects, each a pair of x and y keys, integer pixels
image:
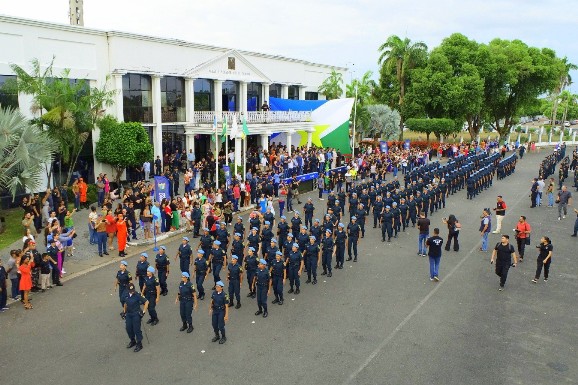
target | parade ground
[{"x": 378, "y": 321}]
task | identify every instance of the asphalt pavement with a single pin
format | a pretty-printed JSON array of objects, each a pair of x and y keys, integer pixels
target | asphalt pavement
[{"x": 377, "y": 321}]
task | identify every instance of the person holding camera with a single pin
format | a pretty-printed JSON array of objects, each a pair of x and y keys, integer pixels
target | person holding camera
[
  {"x": 502, "y": 255},
  {"x": 454, "y": 227},
  {"x": 523, "y": 231},
  {"x": 544, "y": 258}
]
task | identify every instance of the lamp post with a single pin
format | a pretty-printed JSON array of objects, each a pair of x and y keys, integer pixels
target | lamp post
[{"x": 354, "y": 123}]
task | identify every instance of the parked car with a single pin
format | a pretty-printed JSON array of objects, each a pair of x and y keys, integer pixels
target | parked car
[
  {"x": 573, "y": 122},
  {"x": 566, "y": 124}
]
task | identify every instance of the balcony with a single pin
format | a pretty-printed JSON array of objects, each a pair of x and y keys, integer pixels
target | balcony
[{"x": 253, "y": 117}]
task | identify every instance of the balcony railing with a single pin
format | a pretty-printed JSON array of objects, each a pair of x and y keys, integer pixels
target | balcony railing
[{"x": 208, "y": 117}]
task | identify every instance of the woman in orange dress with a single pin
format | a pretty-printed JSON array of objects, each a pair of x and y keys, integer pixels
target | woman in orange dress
[
  {"x": 25, "y": 285},
  {"x": 82, "y": 189},
  {"x": 110, "y": 228},
  {"x": 121, "y": 234}
]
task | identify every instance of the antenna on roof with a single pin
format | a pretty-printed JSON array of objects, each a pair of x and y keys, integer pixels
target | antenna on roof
[{"x": 76, "y": 12}]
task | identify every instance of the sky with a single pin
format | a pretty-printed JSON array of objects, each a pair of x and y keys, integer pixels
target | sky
[{"x": 335, "y": 32}]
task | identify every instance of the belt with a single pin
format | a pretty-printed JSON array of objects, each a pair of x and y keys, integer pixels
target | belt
[
  {"x": 186, "y": 298},
  {"x": 218, "y": 308},
  {"x": 262, "y": 284}
]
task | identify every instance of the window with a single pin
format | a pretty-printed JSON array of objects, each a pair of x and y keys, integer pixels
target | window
[
  {"x": 203, "y": 95},
  {"x": 311, "y": 96},
  {"x": 173, "y": 99},
  {"x": 254, "y": 96},
  {"x": 230, "y": 95},
  {"x": 275, "y": 91},
  {"x": 137, "y": 98},
  {"x": 8, "y": 91},
  {"x": 294, "y": 92},
  {"x": 173, "y": 139}
]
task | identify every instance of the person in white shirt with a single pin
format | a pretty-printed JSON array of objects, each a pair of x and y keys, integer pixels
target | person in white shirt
[
  {"x": 539, "y": 191},
  {"x": 146, "y": 166}
]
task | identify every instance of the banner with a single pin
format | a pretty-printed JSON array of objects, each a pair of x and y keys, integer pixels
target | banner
[
  {"x": 227, "y": 171},
  {"x": 383, "y": 147},
  {"x": 407, "y": 144},
  {"x": 162, "y": 190}
]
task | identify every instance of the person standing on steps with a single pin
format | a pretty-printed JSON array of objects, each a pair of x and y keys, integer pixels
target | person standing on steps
[
  {"x": 187, "y": 300},
  {"x": 500, "y": 210},
  {"x": 219, "y": 312},
  {"x": 523, "y": 231},
  {"x": 544, "y": 258},
  {"x": 503, "y": 254}
]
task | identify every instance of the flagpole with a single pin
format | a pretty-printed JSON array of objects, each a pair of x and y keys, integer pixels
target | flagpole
[
  {"x": 216, "y": 155},
  {"x": 227, "y": 147},
  {"x": 244, "y": 155},
  {"x": 354, "y": 121}
]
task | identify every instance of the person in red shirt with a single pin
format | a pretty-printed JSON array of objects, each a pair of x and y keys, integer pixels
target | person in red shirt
[
  {"x": 25, "y": 270},
  {"x": 236, "y": 196},
  {"x": 523, "y": 231},
  {"x": 500, "y": 210}
]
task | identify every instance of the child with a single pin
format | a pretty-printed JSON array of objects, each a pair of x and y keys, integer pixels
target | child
[
  {"x": 45, "y": 271},
  {"x": 187, "y": 215}
]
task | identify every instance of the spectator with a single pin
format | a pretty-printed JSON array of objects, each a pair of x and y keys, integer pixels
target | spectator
[
  {"x": 485, "y": 228},
  {"x": 523, "y": 231},
  {"x": 423, "y": 226},
  {"x": 500, "y": 210},
  {"x": 564, "y": 199},
  {"x": 550, "y": 192},
  {"x": 92, "y": 218},
  {"x": 454, "y": 227},
  {"x": 434, "y": 245},
  {"x": 544, "y": 258},
  {"x": 28, "y": 222},
  {"x": 25, "y": 269},
  {"x": 12, "y": 270},
  {"x": 3, "y": 287}
]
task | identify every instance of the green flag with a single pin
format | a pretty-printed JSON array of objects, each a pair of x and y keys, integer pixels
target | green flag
[
  {"x": 224, "y": 133},
  {"x": 245, "y": 129}
]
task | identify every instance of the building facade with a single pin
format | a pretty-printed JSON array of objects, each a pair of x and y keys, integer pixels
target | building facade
[{"x": 176, "y": 89}]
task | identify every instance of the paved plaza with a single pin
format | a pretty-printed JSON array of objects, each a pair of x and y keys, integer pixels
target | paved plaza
[{"x": 377, "y": 321}]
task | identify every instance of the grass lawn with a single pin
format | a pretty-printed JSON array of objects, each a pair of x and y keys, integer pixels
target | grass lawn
[
  {"x": 12, "y": 227},
  {"x": 466, "y": 135}
]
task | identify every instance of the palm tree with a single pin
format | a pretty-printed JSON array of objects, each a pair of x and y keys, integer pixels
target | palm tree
[
  {"x": 332, "y": 86},
  {"x": 25, "y": 150},
  {"x": 564, "y": 81},
  {"x": 384, "y": 122},
  {"x": 401, "y": 56},
  {"x": 362, "y": 88}
]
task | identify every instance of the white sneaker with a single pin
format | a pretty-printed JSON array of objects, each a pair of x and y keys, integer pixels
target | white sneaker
[
  {"x": 564, "y": 216},
  {"x": 495, "y": 232},
  {"x": 63, "y": 272},
  {"x": 558, "y": 218}
]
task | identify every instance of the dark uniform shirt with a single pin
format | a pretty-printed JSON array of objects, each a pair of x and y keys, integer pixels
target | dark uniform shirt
[
  {"x": 262, "y": 277},
  {"x": 123, "y": 278},
  {"x": 133, "y": 302},
  {"x": 186, "y": 290},
  {"x": 353, "y": 230},
  {"x": 151, "y": 284},
  {"x": 141, "y": 268},
  {"x": 218, "y": 256},
  {"x": 277, "y": 268},
  {"x": 235, "y": 271},
  {"x": 185, "y": 251},
  {"x": 162, "y": 262},
  {"x": 201, "y": 265}
]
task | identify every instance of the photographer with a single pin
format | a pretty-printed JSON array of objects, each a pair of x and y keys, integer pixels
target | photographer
[
  {"x": 523, "y": 231},
  {"x": 544, "y": 258},
  {"x": 454, "y": 227}
]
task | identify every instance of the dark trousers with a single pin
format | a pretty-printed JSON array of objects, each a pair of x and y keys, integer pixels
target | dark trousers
[
  {"x": 217, "y": 271},
  {"x": 162, "y": 274},
  {"x": 250, "y": 276},
  {"x": 294, "y": 279},
  {"x": 262, "y": 297},
  {"x": 312, "y": 268},
  {"x": 122, "y": 292},
  {"x": 133, "y": 325},
  {"x": 521, "y": 246},
  {"x": 502, "y": 272},
  {"x": 141, "y": 282},
  {"x": 352, "y": 244},
  {"x": 152, "y": 309},
  {"x": 376, "y": 220},
  {"x": 15, "y": 287},
  {"x": 539, "y": 266},
  {"x": 186, "y": 308},
  {"x": 454, "y": 236},
  {"x": 3, "y": 297},
  {"x": 326, "y": 261},
  {"x": 340, "y": 253},
  {"x": 199, "y": 280},
  {"x": 185, "y": 263},
  {"x": 309, "y": 220},
  {"x": 235, "y": 290},
  {"x": 278, "y": 287},
  {"x": 55, "y": 273},
  {"x": 386, "y": 228},
  {"x": 218, "y": 321}
]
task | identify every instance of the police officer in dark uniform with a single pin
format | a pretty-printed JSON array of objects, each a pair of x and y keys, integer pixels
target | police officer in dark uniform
[
  {"x": 251, "y": 264},
  {"x": 377, "y": 209},
  {"x": 141, "y": 269},
  {"x": 196, "y": 215},
  {"x": 404, "y": 210},
  {"x": 269, "y": 217},
  {"x": 254, "y": 221},
  {"x": 287, "y": 245},
  {"x": 123, "y": 279},
  {"x": 353, "y": 230},
  {"x": 312, "y": 258},
  {"x": 184, "y": 254},
  {"x": 295, "y": 268},
  {"x": 262, "y": 285},
  {"x": 296, "y": 223},
  {"x": 308, "y": 209},
  {"x": 206, "y": 241},
  {"x": 254, "y": 239},
  {"x": 266, "y": 237},
  {"x": 218, "y": 259},
  {"x": 316, "y": 230},
  {"x": 188, "y": 301},
  {"x": 151, "y": 291},
  {"x": 201, "y": 269},
  {"x": 223, "y": 235},
  {"x": 397, "y": 217},
  {"x": 327, "y": 252},
  {"x": 412, "y": 211},
  {"x": 239, "y": 228},
  {"x": 235, "y": 279},
  {"x": 282, "y": 231},
  {"x": 387, "y": 220},
  {"x": 162, "y": 263},
  {"x": 360, "y": 216},
  {"x": 278, "y": 275},
  {"x": 340, "y": 239},
  {"x": 237, "y": 248},
  {"x": 132, "y": 315},
  {"x": 219, "y": 312},
  {"x": 272, "y": 252}
]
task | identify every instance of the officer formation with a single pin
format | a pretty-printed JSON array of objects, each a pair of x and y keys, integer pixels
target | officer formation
[{"x": 268, "y": 252}]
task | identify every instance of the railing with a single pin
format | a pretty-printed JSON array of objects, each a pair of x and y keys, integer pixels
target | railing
[{"x": 208, "y": 117}]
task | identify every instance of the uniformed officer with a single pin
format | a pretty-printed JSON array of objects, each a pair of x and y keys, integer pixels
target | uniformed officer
[
  {"x": 184, "y": 253},
  {"x": 269, "y": 217},
  {"x": 201, "y": 269},
  {"x": 132, "y": 315},
  {"x": 239, "y": 228},
  {"x": 151, "y": 291},
  {"x": 188, "y": 301},
  {"x": 287, "y": 245},
  {"x": 237, "y": 248},
  {"x": 251, "y": 263},
  {"x": 296, "y": 223},
  {"x": 308, "y": 209},
  {"x": 360, "y": 215},
  {"x": 396, "y": 219},
  {"x": 278, "y": 275},
  {"x": 254, "y": 239},
  {"x": 123, "y": 279},
  {"x": 282, "y": 230},
  {"x": 206, "y": 241},
  {"x": 328, "y": 252},
  {"x": 223, "y": 235},
  {"x": 162, "y": 263},
  {"x": 219, "y": 312},
  {"x": 404, "y": 210},
  {"x": 353, "y": 230},
  {"x": 295, "y": 268},
  {"x": 387, "y": 222},
  {"x": 412, "y": 211},
  {"x": 262, "y": 285},
  {"x": 316, "y": 230},
  {"x": 218, "y": 259},
  {"x": 377, "y": 209},
  {"x": 266, "y": 236},
  {"x": 235, "y": 279},
  {"x": 312, "y": 258},
  {"x": 271, "y": 252},
  {"x": 340, "y": 239},
  {"x": 255, "y": 221},
  {"x": 141, "y": 269}
]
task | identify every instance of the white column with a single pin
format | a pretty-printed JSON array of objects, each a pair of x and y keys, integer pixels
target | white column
[
  {"x": 265, "y": 142},
  {"x": 302, "y": 92},
  {"x": 284, "y": 91},
  {"x": 157, "y": 117},
  {"x": 218, "y": 97},
  {"x": 573, "y": 137},
  {"x": 561, "y": 135},
  {"x": 118, "y": 101},
  {"x": 238, "y": 152},
  {"x": 189, "y": 139},
  {"x": 549, "y": 136},
  {"x": 242, "y": 97},
  {"x": 190, "y": 100},
  {"x": 289, "y": 141},
  {"x": 265, "y": 91}
]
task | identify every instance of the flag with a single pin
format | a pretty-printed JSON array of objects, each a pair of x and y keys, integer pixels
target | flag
[
  {"x": 214, "y": 138},
  {"x": 234, "y": 128},
  {"x": 245, "y": 131},
  {"x": 162, "y": 190},
  {"x": 224, "y": 132}
]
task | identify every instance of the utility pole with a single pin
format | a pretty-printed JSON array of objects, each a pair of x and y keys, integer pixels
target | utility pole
[{"x": 76, "y": 12}]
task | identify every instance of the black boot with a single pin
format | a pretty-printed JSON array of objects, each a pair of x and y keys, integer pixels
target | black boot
[
  {"x": 215, "y": 338},
  {"x": 131, "y": 344},
  {"x": 231, "y": 303},
  {"x": 190, "y": 329},
  {"x": 184, "y": 327},
  {"x": 290, "y": 291},
  {"x": 297, "y": 291},
  {"x": 223, "y": 339},
  {"x": 238, "y": 306},
  {"x": 155, "y": 321},
  {"x": 330, "y": 274},
  {"x": 138, "y": 347},
  {"x": 355, "y": 259},
  {"x": 250, "y": 294},
  {"x": 150, "y": 321},
  {"x": 324, "y": 272}
]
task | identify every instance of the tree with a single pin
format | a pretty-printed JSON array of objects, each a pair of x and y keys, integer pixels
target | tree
[
  {"x": 398, "y": 57},
  {"x": 122, "y": 145},
  {"x": 68, "y": 108},
  {"x": 365, "y": 89},
  {"x": 332, "y": 86},
  {"x": 25, "y": 150},
  {"x": 384, "y": 122},
  {"x": 427, "y": 126},
  {"x": 564, "y": 80}
]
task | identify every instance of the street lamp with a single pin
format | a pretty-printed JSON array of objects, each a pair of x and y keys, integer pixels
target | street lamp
[{"x": 354, "y": 123}]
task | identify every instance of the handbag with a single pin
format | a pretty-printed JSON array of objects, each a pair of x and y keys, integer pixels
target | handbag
[{"x": 527, "y": 240}]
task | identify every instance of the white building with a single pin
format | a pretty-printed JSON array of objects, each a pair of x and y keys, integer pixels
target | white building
[{"x": 173, "y": 87}]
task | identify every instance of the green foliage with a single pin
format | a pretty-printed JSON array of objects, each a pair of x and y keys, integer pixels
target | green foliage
[
  {"x": 332, "y": 87},
  {"x": 427, "y": 126},
  {"x": 384, "y": 122},
  {"x": 364, "y": 89},
  {"x": 122, "y": 145},
  {"x": 25, "y": 149}
]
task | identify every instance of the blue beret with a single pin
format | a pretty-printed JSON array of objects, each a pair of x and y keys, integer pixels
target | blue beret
[
  {"x": 267, "y": 222},
  {"x": 337, "y": 201},
  {"x": 241, "y": 218},
  {"x": 186, "y": 239},
  {"x": 217, "y": 242},
  {"x": 163, "y": 247},
  {"x": 223, "y": 222},
  {"x": 304, "y": 227},
  {"x": 328, "y": 231},
  {"x": 144, "y": 255},
  {"x": 361, "y": 204},
  {"x": 252, "y": 248},
  {"x": 254, "y": 228},
  {"x": 234, "y": 257},
  {"x": 312, "y": 237},
  {"x": 237, "y": 234},
  {"x": 290, "y": 235},
  {"x": 262, "y": 261},
  {"x": 283, "y": 217},
  {"x": 296, "y": 212},
  {"x": 341, "y": 225},
  {"x": 124, "y": 263},
  {"x": 394, "y": 203},
  {"x": 353, "y": 218},
  {"x": 273, "y": 240},
  {"x": 328, "y": 215},
  {"x": 279, "y": 253},
  {"x": 295, "y": 245},
  {"x": 220, "y": 283},
  {"x": 150, "y": 269},
  {"x": 201, "y": 251},
  {"x": 387, "y": 207},
  {"x": 185, "y": 274},
  {"x": 316, "y": 220}
]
